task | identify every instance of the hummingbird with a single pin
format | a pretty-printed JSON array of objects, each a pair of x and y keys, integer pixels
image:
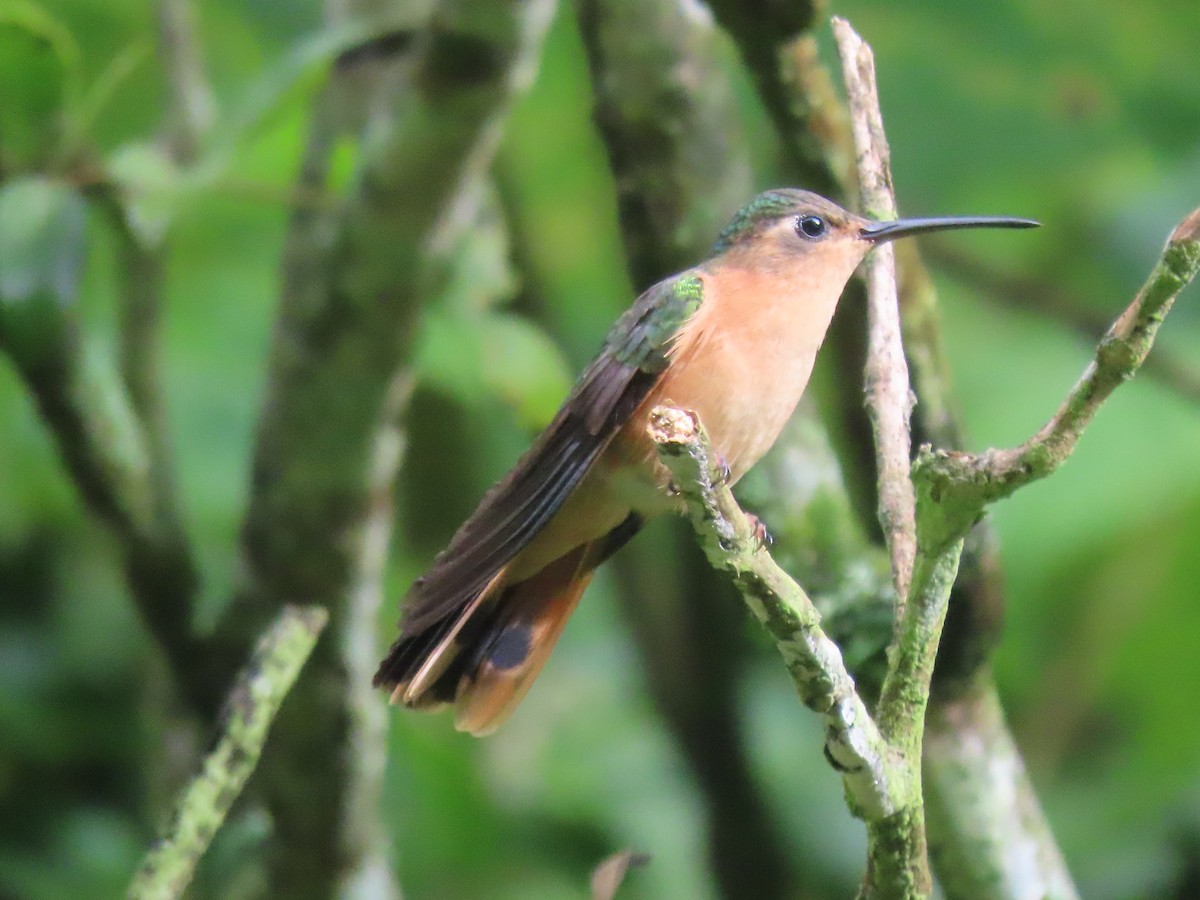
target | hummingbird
[{"x": 732, "y": 339}]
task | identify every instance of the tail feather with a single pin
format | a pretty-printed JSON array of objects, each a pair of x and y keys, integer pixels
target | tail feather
[
  {"x": 448, "y": 647},
  {"x": 484, "y": 655},
  {"x": 518, "y": 642}
]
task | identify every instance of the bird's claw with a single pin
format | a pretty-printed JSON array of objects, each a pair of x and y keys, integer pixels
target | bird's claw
[
  {"x": 761, "y": 536},
  {"x": 724, "y": 473}
]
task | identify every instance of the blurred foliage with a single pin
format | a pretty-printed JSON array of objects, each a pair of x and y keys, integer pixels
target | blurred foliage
[{"x": 1084, "y": 115}]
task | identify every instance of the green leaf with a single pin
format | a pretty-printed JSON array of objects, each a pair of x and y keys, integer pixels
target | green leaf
[
  {"x": 154, "y": 187},
  {"x": 494, "y": 357},
  {"x": 523, "y": 368},
  {"x": 303, "y": 64},
  {"x": 448, "y": 355},
  {"x": 42, "y": 251},
  {"x": 39, "y": 81},
  {"x": 101, "y": 91}
]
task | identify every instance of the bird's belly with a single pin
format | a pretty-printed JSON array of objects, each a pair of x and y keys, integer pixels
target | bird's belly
[{"x": 743, "y": 400}]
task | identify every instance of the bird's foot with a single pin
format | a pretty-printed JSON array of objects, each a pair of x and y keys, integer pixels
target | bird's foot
[
  {"x": 724, "y": 474},
  {"x": 761, "y": 536}
]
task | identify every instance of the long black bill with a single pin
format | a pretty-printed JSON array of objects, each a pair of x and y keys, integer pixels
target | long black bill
[{"x": 880, "y": 232}]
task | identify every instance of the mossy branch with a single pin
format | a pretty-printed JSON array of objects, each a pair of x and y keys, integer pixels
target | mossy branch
[
  {"x": 853, "y": 744},
  {"x": 952, "y": 491},
  {"x": 248, "y": 713},
  {"x": 107, "y": 445}
]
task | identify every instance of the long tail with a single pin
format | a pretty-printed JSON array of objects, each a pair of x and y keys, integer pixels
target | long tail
[{"x": 484, "y": 656}]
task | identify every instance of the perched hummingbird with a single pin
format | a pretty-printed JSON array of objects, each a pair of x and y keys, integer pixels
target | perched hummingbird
[{"x": 733, "y": 339}]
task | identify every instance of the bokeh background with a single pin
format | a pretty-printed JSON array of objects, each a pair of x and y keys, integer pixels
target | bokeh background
[{"x": 1083, "y": 115}]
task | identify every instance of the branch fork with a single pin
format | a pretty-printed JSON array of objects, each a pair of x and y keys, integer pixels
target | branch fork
[
  {"x": 853, "y": 745},
  {"x": 926, "y": 509}
]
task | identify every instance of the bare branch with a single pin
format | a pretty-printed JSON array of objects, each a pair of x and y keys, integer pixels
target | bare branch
[{"x": 889, "y": 396}]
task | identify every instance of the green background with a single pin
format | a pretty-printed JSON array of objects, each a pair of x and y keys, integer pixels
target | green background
[{"x": 1083, "y": 115}]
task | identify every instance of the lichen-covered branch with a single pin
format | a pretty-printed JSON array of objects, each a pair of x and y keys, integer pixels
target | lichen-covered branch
[
  {"x": 966, "y": 634},
  {"x": 896, "y": 852},
  {"x": 952, "y": 491},
  {"x": 988, "y": 836},
  {"x": 248, "y": 713},
  {"x": 875, "y": 788},
  {"x": 975, "y": 617},
  {"x": 799, "y": 490}
]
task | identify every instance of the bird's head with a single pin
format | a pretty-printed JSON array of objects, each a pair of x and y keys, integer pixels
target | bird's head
[{"x": 782, "y": 226}]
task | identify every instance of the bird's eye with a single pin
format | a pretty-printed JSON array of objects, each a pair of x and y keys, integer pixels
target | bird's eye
[{"x": 811, "y": 227}]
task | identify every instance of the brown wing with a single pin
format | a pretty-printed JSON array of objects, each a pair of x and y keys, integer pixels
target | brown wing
[{"x": 518, "y": 507}]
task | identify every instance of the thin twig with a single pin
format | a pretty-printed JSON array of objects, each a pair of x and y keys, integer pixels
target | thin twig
[
  {"x": 888, "y": 394},
  {"x": 141, "y": 275},
  {"x": 608, "y": 877},
  {"x": 853, "y": 745},
  {"x": 249, "y": 711}
]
